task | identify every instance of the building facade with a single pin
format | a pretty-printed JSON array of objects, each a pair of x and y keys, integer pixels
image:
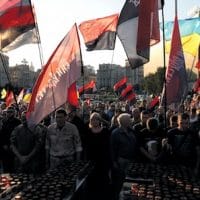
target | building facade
[
  {"x": 87, "y": 76},
  {"x": 109, "y": 74},
  {"x": 22, "y": 76}
]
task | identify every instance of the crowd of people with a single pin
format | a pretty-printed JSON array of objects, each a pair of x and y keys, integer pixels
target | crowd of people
[{"x": 109, "y": 135}]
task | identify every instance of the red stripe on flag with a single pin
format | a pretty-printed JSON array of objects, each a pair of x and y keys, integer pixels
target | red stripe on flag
[
  {"x": 17, "y": 16},
  {"x": 100, "y": 34},
  {"x": 138, "y": 28},
  {"x": 120, "y": 83},
  {"x": 17, "y": 24},
  {"x": 154, "y": 102},
  {"x": 6, "y": 4},
  {"x": 148, "y": 25},
  {"x": 87, "y": 87},
  {"x": 126, "y": 90},
  {"x": 72, "y": 97}
]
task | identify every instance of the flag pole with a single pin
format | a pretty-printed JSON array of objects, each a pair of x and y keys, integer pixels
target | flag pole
[
  {"x": 193, "y": 63},
  {"x": 199, "y": 56},
  {"x": 199, "y": 50},
  {"x": 111, "y": 64},
  {"x": 82, "y": 67},
  {"x": 176, "y": 14},
  {"x": 176, "y": 7},
  {"x": 164, "y": 63},
  {"x": 9, "y": 80},
  {"x": 38, "y": 35}
]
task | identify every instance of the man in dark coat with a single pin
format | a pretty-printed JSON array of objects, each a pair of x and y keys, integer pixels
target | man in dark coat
[{"x": 8, "y": 126}]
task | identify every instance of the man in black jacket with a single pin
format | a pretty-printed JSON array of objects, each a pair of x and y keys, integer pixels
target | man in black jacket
[{"x": 8, "y": 126}]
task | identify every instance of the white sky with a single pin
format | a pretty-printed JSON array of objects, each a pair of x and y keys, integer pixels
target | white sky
[{"x": 55, "y": 18}]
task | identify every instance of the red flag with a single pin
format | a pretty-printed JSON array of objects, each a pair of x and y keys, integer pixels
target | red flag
[
  {"x": 72, "y": 97},
  {"x": 176, "y": 77},
  {"x": 138, "y": 28},
  {"x": 87, "y": 88},
  {"x": 9, "y": 98},
  {"x": 17, "y": 24},
  {"x": 120, "y": 85},
  {"x": 100, "y": 34},
  {"x": 61, "y": 71}
]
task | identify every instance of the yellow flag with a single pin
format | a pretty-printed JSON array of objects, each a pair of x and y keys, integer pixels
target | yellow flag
[
  {"x": 190, "y": 44},
  {"x": 27, "y": 98}
]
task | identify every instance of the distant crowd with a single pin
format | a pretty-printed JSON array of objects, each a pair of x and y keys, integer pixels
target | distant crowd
[{"x": 109, "y": 135}]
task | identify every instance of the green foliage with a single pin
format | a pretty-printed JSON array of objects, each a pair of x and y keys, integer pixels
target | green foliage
[
  {"x": 191, "y": 76},
  {"x": 153, "y": 83}
]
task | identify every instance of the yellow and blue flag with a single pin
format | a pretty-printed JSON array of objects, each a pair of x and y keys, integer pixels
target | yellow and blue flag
[
  {"x": 27, "y": 96},
  {"x": 190, "y": 34}
]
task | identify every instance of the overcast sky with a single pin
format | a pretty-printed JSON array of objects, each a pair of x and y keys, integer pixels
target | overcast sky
[{"x": 55, "y": 18}]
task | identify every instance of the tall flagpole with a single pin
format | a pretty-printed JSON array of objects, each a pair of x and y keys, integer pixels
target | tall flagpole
[
  {"x": 38, "y": 35},
  {"x": 199, "y": 57},
  {"x": 82, "y": 70},
  {"x": 191, "y": 70},
  {"x": 176, "y": 8},
  {"x": 164, "y": 63},
  {"x": 9, "y": 81},
  {"x": 199, "y": 51}
]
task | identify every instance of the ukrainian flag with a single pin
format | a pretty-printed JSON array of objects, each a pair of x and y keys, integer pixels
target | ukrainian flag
[{"x": 190, "y": 35}]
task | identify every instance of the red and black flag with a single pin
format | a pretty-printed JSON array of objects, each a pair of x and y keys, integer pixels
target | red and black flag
[
  {"x": 88, "y": 88},
  {"x": 17, "y": 24},
  {"x": 154, "y": 102},
  {"x": 120, "y": 85},
  {"x": 100, "y": 34},
  {"x": 176, "y": 77},
  {"x": 62, "y": 70},
  {"x": 131, "y": 98},
  {"x": 126, "y": 92},
  {"x": 138, "y": 28}
]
